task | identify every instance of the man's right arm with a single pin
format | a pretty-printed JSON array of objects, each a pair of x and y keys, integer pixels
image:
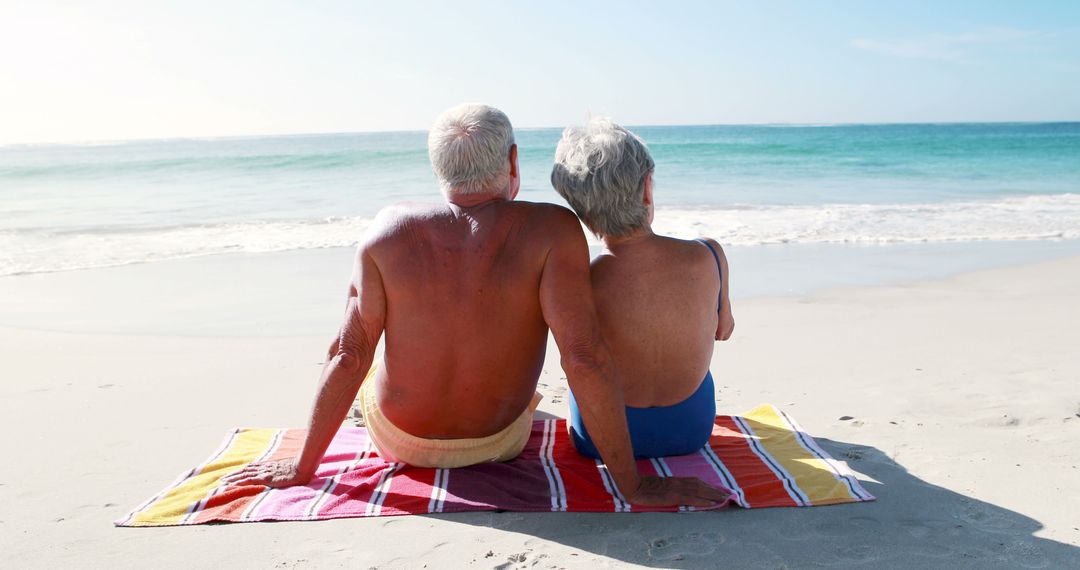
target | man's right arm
[
  {"x": 347, "y": 363},
  {"x": 567, "y": 303}
]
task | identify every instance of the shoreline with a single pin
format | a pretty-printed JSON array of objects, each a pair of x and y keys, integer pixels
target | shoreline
[{"x": 300, "y": 292}]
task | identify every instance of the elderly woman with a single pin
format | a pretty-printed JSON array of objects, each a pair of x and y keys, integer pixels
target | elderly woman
[{"x": 662, "y": 301}]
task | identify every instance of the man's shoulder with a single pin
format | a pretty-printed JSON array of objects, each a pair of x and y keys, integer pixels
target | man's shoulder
[
  {"x": 396, "y": 219},
  {"x": 424, "y": 210},
  {"x": 552, "y": 224},
  {"x": 400, "y": 214},
  {"x": 408, "y": 210},
  {"x": 536, "y": 219},
  {"x": 603, "y": 261},
  {"x": 546, "y": 211}
]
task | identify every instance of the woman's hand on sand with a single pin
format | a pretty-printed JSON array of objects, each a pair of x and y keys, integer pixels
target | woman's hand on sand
[
  {"x": 277, "y": 474},
  {"x": 669, "y": 491},
  {"x": 725, "y": 324}
]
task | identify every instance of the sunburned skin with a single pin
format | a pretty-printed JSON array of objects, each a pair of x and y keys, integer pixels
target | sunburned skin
[
  {"x": 465, "y": 331},
  {"x": 656, "y": 298}
]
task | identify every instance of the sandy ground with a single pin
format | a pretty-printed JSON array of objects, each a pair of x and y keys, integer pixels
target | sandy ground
[{"x": 963, "y": 397}]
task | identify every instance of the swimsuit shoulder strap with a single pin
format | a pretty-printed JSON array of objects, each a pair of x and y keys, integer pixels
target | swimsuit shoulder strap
[{"x": 720, "y": 271}]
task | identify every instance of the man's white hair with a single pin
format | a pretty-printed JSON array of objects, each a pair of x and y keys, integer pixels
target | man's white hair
[
  {"x": 469, "y": 147},
  {"x": 600, "y": 170}
]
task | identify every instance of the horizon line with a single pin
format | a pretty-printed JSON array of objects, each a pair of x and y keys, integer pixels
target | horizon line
[{"x": 822, "y": 124}]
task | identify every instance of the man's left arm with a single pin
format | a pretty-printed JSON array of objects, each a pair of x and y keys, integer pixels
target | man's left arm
[{"x": 344, "y": 371}]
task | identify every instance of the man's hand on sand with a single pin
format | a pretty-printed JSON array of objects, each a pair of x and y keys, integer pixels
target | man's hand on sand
[
  {"x": 667, "y": 491},
  {"x": 277, "y": 474}
]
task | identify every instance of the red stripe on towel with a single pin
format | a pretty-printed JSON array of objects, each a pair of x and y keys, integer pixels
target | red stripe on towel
[{"x": 758, "y": 482}]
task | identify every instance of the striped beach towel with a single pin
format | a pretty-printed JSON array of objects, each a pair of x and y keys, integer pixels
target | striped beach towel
[{"x": 763, "y": 457}]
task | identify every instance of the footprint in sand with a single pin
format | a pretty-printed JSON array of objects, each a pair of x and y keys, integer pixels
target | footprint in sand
[
  {"x": 926, "y": 550},
  {"x": 857, "y": 553},
  {"x": 854, "y": 454},
  {"x": 835, "y": 528},
  {"x": 925, "y": 530},
  {"x": 982, "y": 518},
  {"x": 1025, "y": 555},
  {"x": 1009, "y": 421},
  {"x": 922, "y": 528},
  {"x": 863, "y": 522},
  {"x": 689, "y": 546},
  {"x": 504, "y": 520},
  {"x": 789, "y": 531},
  {"x": 521, "y": 560}
]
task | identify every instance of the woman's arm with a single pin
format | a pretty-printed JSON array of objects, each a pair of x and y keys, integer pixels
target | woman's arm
[{"x": 725, "y": 324}]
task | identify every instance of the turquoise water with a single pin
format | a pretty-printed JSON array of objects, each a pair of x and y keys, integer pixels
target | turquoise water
[{"x": 95, "y": 205}]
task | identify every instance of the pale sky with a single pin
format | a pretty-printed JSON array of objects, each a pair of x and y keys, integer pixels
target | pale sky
[{"x": 87, "y": 70}]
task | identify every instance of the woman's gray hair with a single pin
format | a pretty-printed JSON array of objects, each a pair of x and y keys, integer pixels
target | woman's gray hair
[
  {"x": 600, "y": 169},
  {"x": 469, "y": 146}
]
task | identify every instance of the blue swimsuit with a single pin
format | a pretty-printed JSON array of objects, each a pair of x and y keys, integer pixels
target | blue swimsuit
[{"x": 661, "y": 431}]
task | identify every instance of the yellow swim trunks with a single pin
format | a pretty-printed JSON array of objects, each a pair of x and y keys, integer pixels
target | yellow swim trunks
[{"x": 394, "y": 444}]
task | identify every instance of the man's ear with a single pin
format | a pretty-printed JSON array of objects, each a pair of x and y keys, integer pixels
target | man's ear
[
  {"x": 515, "y": 180},
  {"x": 647, "y": 198},
  {"x": 513, "y": 161}
]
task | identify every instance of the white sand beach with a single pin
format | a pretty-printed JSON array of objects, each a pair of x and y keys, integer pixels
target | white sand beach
[{"x": 956, "y": 399}]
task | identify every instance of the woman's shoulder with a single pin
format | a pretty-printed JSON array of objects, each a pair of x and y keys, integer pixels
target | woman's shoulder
[
  {"x": 666, "y": 254},
  {"x": 692, "y": 250}
]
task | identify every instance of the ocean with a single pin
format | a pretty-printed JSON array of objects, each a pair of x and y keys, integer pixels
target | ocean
[{"x": 66, "y": 207}]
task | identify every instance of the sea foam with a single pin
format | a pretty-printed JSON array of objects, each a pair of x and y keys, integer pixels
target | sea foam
[{"x": 1017, "y": 218}]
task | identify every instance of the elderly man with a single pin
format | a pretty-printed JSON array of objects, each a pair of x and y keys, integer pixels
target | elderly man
[{"x": 465, "y": 292}]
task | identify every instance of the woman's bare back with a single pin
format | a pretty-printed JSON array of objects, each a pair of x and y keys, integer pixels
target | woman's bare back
[{"x": 657, "y": 302}]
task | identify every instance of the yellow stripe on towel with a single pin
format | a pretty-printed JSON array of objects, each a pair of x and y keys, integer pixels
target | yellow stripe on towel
[
  {"x": 814, "y": 477},
  {"x": 246, "y": 446}
]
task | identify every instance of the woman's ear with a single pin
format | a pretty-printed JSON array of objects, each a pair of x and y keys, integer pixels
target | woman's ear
[{"x": 647, "y": 198}]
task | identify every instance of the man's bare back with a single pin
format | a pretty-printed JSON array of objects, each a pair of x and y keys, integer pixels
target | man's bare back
[{"x": 465, "y": 332}]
